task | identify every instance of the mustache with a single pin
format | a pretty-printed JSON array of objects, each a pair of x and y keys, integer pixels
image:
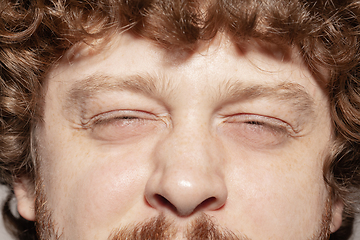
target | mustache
[{"x": 159, "y": 228}]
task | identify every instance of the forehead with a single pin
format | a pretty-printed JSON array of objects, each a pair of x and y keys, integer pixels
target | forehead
[
  {"x": 126, "y": 51},
  {"x": 217, "y": 65}
]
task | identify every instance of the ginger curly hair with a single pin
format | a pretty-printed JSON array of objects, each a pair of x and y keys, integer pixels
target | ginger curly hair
[{"x": 35, "y": 34}]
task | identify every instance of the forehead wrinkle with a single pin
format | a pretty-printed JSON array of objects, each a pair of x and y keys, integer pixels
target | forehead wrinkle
[{"x": 87, "y": 88}]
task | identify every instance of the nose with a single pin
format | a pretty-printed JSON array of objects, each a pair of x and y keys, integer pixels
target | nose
[{"x": 188, "y": 176}]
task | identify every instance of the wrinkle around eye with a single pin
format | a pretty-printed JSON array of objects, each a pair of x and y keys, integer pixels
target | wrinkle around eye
[
  {"x": 258, "y": 131},
  {"x": 123, "y": 125}
]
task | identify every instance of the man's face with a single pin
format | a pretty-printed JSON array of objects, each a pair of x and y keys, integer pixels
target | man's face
[{"x": 132, "y": 132}]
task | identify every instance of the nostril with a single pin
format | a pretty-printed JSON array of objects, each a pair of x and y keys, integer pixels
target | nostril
[
  {"x": 183, "y": 193},
  {"x": 206, "y": 204},
  {"x": 162, "y": 201}
]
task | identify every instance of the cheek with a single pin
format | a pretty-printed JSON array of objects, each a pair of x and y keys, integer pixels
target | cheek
[
  {"x": 281, "y": 207},
  {"x": 109, "y": 191},
  {"x": 283, "y": 193},
  {"x": 93, "y": 186}
]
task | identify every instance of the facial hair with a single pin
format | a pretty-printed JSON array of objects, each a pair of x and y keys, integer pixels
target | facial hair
[
  {"x": 202, "y": 228},
  {"x": 160, "y": 228}
]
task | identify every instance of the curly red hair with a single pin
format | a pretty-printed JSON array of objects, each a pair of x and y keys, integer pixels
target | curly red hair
[{"x": 35, "y": 34}]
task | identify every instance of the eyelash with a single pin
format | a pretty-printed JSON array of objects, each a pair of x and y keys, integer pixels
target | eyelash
[
  {"x": 124, "y": 115},
  {"x": 258, "y": 120},
  {"x": 280, "y": 127},
  {"x": 263, "y": 123},
  {"x": 250, "y": 129},
  {"x": 133, "y": 115}
]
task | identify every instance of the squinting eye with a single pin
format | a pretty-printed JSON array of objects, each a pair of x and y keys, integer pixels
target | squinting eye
[
  {"x": 258, "y": 131},
  {"x": 121, "y": 125}
]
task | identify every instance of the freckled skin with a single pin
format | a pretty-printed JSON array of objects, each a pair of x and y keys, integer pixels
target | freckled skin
[{"x": 187, "y": 147}]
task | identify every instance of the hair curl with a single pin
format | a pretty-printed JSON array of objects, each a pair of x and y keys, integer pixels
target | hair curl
[{"x": 34, "y": 34}]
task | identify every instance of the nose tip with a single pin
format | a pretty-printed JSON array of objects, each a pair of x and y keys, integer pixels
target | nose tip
[{"x": 185, "y": 194}]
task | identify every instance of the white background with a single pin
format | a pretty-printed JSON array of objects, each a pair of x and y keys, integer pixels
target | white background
[{"x": 5, "y": 236}]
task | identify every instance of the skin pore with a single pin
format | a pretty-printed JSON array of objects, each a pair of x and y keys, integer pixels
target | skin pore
[{"x": 223, "y": 136}]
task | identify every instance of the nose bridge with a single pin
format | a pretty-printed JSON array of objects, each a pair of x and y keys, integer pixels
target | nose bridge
[
  {"x": 188, "y": 175},
  {"x": 190, "y": 145},
  {"x": 190, "y": 142}
]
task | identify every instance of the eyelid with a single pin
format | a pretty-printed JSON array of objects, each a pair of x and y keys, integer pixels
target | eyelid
[
  {"x": 113, "y": 114},
  {"x": 266, "y": 120}
]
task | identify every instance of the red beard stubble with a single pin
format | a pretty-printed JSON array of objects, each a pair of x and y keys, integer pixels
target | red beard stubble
[{"x": 159, "y": 228}]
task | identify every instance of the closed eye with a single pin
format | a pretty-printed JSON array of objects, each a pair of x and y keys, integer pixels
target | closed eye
[
  {"x": 116, "y": 115},
  {"x": 257, "y": 130},
  {"x": 120, "y": 125}
]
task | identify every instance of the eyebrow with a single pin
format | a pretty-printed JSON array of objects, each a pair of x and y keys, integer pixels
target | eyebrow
[
  {"x": 86, "y": 88},
  {"x": 289, "y": 93}
]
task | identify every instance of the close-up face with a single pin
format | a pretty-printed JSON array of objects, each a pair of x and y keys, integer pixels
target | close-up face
[{"x": 132, "y": 131}]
